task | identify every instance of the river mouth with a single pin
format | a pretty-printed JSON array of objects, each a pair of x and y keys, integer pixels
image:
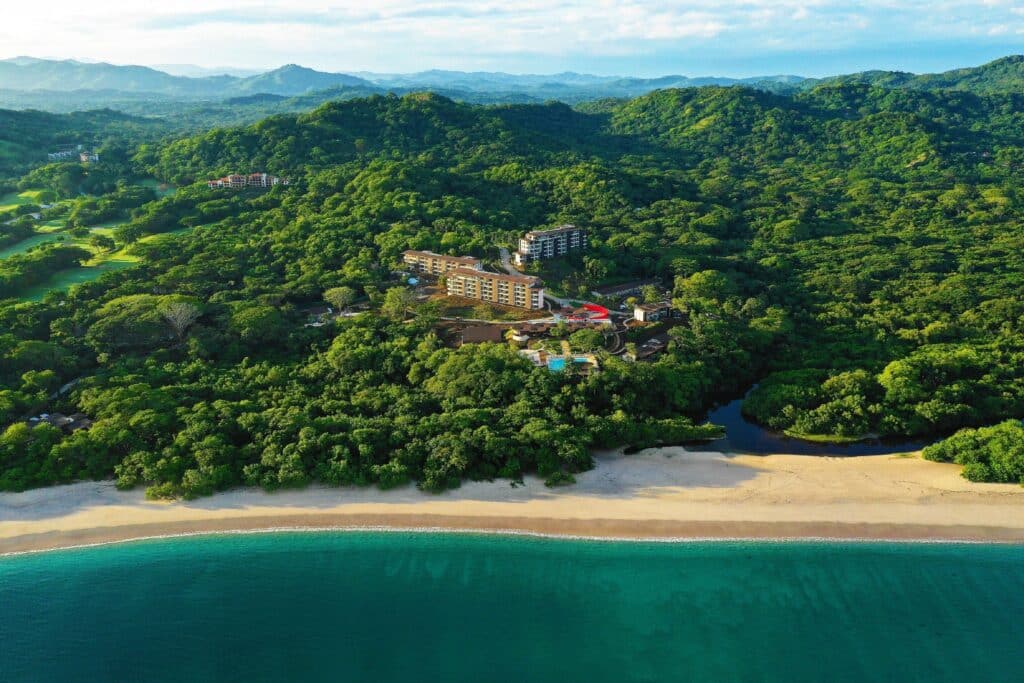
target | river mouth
[{"x": 744, "y": 436}]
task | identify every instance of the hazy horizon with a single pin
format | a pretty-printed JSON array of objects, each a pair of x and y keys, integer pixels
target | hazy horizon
[
  {"x": 192, "y": 70},
  {"x": 642, "y": 38}
]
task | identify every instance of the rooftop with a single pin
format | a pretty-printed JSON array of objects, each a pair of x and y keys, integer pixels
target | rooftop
[
  {"x": 522, "y": 279},
  {"x": 552, "y": 231},
  {"x": 458, "y": 259},
  {"x": 652, "y": 346},
  {"x": 68, "y": 423},
  {"x": 657, "y": 306},
  {"x": 482, "y": 333}
]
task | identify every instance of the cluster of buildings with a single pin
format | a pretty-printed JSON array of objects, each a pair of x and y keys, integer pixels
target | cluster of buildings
[
  {"x": 465, "y": 277},
  {"x": 538, "y": 245},
  {"x": 64, "y": 154},
  {"x": 66, "y": 423},
  {"x": 237, "y": 182},
  {"x": 75, "y": 152}
]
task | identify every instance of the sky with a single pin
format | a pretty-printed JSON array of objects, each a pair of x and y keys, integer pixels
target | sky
[{"x": 614, "y": 37}]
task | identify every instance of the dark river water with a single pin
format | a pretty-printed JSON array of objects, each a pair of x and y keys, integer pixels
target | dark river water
[{"x": 744, "y": 436}]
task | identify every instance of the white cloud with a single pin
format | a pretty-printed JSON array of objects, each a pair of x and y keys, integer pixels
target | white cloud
[{"x": 411, "y": 34}]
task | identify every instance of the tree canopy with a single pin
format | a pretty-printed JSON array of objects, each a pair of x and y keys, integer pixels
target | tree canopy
[{"x": 852, "y": 249}]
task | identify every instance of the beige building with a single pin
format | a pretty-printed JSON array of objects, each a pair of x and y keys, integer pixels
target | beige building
[
  {"x": 522, "y": 291},
  {"x": 437, "y": 264}
]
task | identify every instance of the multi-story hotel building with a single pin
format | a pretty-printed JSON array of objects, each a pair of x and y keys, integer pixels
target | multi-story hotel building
[
  {"x": 544, "y": 244},
  {"x": 236, "y": 181},
  {"x": 522, "y": 291},
  {"x": 437, "y": 264},
  {"x": 62, "y": 154}
]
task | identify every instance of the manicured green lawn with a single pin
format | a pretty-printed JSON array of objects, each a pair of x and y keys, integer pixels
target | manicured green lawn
[
  {"x": 105, "y": 228},
  {"x": 55, "y": 225},
  {"x": 74, "y": 276},
  {"x": 15, "y": 199},
  {"x": 101, "y": 263},
  {"x": 27, "y": 243}
]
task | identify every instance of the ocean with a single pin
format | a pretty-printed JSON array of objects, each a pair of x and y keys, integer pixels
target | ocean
[{"x": 399, "y": 606}]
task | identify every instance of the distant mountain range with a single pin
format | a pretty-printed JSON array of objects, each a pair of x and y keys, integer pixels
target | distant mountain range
[
  {"x": 28, "y": 73},
  {"x": 58, "y": 84},
  {"x": 554, "y": 85}
]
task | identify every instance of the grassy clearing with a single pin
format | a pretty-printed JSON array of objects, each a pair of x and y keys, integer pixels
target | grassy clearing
[
  {"x": 54, "y": 225},
  {"x": 16, "y": 199},
  {"x": 101, "y": 262},
  {"x": 28, "y": 243},
  {"x": 74, "y": 276},
  {"x": 106, "y": 229}
]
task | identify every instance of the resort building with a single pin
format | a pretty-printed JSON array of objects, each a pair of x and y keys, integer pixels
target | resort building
[
  {"x": 649, "y": 313},
  {"x": 544, "y": 244},
  {"x": 67, "y": 423},
  {"x": 64, "y": 153},
  {"x": 88, "y": 157},
  {"x": 649, "y": 348},
  {"x": 236, "y": 181},
  {"x": 480, "y": 334},
  {"x": 437, "y": 264},
  {"x": 521, "y": 291}
]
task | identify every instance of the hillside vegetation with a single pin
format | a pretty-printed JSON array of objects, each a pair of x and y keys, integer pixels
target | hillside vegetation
[
  {"x": 1002, "y": 76},
  {"x": 854, "y": 249}
]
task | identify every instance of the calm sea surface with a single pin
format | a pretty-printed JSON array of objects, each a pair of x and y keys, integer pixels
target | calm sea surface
[{"x": 449, "y": 607}]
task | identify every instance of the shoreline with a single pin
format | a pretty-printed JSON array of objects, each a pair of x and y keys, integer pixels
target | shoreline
[
  {"x": 974, "y": 535},
  {"x": 669, "y": 494}
]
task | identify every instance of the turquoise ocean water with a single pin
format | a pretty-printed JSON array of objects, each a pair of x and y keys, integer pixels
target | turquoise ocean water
[{"x": 450, "y": 607}]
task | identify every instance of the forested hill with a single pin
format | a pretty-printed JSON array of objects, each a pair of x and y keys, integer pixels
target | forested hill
[
  {"x": 900, "y": 134},
  {"x": 1004, "y": 75},
  {"x": 855, "y": 250},
  {"x": 26, "y": 136}
]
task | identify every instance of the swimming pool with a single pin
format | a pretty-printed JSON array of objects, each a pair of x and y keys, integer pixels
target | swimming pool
[{"x": 557, "y": 363}]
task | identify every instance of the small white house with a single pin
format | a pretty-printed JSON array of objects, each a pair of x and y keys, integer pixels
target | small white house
[{"x": 648, "y": 313}]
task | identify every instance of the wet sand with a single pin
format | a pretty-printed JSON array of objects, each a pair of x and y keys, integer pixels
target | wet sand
[{"x": 658, "y": 494}]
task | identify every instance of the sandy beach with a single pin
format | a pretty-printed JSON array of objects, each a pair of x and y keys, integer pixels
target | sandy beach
[{"x": 659, "y": 493}]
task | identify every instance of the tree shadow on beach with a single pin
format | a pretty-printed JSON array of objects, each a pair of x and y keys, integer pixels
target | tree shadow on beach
[{"x": 647, "y": 474}]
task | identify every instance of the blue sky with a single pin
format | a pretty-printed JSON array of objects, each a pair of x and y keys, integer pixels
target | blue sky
[{"x": 627, "y": 37}]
